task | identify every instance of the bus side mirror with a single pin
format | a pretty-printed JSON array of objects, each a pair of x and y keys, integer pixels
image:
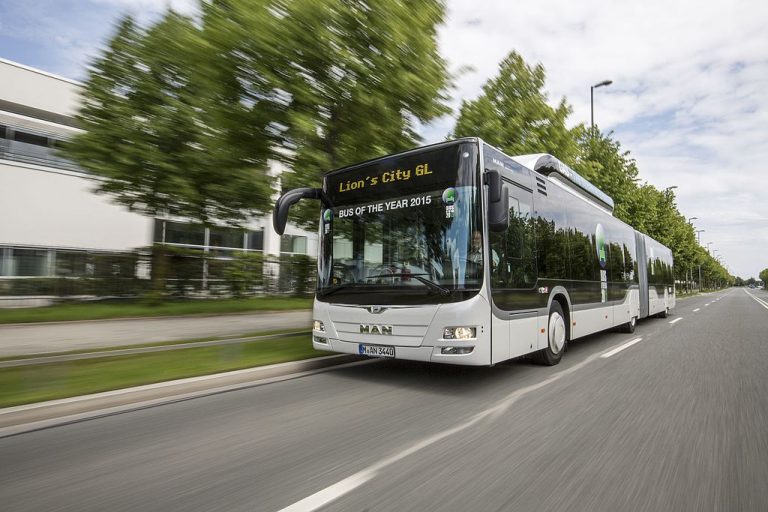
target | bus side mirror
[
  {"x": 285, "y": 201},
  {"x": 498, "y": 202}
]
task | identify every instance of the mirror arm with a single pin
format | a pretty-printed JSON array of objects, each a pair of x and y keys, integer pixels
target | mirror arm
[{"x": 285, "y": 201}]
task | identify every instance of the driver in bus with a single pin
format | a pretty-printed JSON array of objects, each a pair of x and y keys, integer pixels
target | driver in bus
[{"x": 476, "y": 251}]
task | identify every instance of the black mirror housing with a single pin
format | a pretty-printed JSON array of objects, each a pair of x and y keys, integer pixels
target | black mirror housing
[
  {"x": 498, "y": 202},
  {"x": 498, "y": 212},
  {"x": 285, "y": 201},
  {"x": 493, "y": 180}
]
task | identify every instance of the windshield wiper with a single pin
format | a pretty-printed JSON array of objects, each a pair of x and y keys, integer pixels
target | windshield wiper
[
  {"x": 340, "y": 287},
  {"x": 431, "y": 284}
]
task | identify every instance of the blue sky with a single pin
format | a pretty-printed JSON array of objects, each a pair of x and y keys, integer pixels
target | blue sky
[{"x": 688, "y": 98}]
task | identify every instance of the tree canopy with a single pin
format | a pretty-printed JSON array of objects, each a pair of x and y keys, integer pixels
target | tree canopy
[
  {"x": 184, "y": 117},
  {"x": 160, "y": 128},
  {"x": 513, "y": 114}
]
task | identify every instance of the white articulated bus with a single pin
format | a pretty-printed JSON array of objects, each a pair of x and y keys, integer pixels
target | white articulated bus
[{"x": 457, "y": 253}]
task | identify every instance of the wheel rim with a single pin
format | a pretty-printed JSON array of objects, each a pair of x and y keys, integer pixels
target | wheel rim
[
  {"x": 556, "y": 332},
  {"x": 633, "y": 321}
]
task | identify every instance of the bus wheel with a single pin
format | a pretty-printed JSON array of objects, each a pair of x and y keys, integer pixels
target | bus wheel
[
  {"x": 557, "y": 336},
  {"x": 663, "y": 314},
  {"x": 629, "y": 326}
]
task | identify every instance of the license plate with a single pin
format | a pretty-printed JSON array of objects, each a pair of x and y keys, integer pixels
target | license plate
[{"x": 375, "y": 350}]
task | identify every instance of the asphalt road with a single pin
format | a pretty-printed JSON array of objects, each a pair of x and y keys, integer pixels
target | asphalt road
[
  {"x": 20, "y": 339},
  {"x": 677, "y": 421}
]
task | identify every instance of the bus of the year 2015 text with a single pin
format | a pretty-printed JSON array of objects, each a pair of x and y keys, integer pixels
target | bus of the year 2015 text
[{"x": 457, "y": 253}]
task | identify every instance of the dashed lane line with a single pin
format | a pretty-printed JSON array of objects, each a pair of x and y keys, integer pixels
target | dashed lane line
[
  {"x": 335, "y": 491},
  {"x": 620, "y": 348}
]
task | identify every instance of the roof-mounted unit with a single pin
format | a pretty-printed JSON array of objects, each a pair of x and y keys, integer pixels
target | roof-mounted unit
[{"x": 558, "y": 171}]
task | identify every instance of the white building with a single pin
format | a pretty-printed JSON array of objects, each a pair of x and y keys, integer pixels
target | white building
[{"x": 49, "y": 216}]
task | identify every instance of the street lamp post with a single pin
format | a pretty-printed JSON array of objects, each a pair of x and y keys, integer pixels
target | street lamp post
[
  {"x": 592, "y": 102},
  {"x": 717, "y": 260},
  {"x": 689, "y": 273},
  {"x": 698, "y": 233}
]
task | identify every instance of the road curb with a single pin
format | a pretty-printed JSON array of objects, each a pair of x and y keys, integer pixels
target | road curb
[{"x": 41, "y": 415}]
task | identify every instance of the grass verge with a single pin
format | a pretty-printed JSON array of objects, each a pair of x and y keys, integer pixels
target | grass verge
[
  {"x": 156, "y": 344},
  {"x": 35, "y": 383},
  {"x": 71, "y": 312}
]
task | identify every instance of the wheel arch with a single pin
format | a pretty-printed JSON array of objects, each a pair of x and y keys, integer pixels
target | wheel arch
[{"x": 560, "y": 295}]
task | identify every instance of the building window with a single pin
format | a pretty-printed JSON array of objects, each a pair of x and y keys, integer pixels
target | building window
[
  {"x": 293, "y": 244},
  {"x": 256, "y": 240},
  {"x": 226, "y": 237},
  {"x": 30, "y": 138},
  {"x": 186, "y": 234},
  {"x": 29, "y": 262},
  {"x": 37, "y": 148},
  {"x": 72, "y": 264},
  {"x": 6, "y": 261}
]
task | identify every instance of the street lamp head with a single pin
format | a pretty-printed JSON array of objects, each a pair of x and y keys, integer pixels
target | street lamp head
[
  {"x": 592, "y": 103},
  {"x": 692, "y": 218}
]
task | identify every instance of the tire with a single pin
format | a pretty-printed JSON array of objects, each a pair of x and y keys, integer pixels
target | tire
[
  {"x": 628, "y": 327},
  {"x": 557, "y": 337},
  {"x": 663, "y": 314}
]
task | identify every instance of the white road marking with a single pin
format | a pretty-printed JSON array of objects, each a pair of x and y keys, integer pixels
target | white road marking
[
  {"x": 697, "y": 309},
  {"x": 621, "y": 347},
  {"x": 707, "y": 304},
  {"x": 335, "y": 491},
  {"x": 759, "y": 300},
  {"x": 676, "y": 320},
  {"x": 329, "y": 494}
]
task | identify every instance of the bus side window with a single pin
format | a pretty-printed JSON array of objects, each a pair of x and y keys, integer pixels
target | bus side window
[{"x": 514, "y": 248}]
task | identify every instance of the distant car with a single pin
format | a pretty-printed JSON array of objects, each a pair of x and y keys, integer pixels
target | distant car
[{"x": 751, "y": 286}]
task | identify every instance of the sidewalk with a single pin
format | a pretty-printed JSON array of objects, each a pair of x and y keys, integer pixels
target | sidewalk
[{"x": 16, "y": 340}]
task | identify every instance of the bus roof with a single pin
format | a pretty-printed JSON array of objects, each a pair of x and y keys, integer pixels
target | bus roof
[{"x": 548, "y": 165}]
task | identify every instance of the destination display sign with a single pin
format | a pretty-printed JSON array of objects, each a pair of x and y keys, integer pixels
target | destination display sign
[{"x": 400, "y": 175}]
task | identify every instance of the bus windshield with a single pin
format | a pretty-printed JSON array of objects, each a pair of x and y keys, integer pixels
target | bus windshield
[{"x": 403, "y": 230}]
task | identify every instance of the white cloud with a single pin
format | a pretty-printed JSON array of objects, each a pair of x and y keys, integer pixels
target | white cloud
[{"x": 687, "y": 100}]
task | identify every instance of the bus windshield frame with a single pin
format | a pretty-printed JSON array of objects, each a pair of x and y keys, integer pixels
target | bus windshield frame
[{"x": 404, "y": 229}]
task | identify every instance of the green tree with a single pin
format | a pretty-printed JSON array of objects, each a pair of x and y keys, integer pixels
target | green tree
[
  {"x": 164, "y": 126},
  {"x": 604, "y": 164},
  {"x": 362, "y": 75},
  {"x": 183, "y": 117},
  {"x": 764, "y": 276},
  {"x": 513, "y": 114}
]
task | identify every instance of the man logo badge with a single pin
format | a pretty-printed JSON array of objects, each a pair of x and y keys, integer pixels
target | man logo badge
[
  {"x": 375, "y": 309},
  {"x": 375, "y": 329}
]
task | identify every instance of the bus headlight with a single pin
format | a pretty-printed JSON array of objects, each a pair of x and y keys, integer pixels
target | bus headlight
[
  {"x": 460, "y": 333},
  {"x": 317, "y": 325}
]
